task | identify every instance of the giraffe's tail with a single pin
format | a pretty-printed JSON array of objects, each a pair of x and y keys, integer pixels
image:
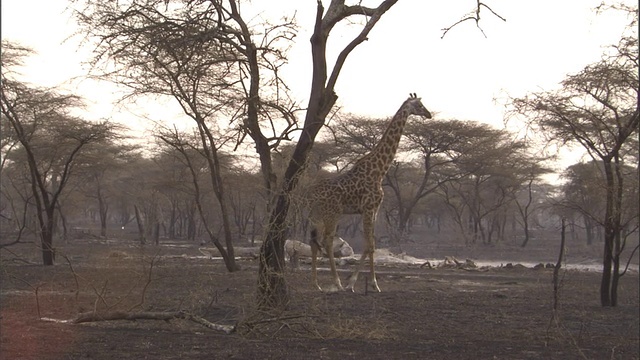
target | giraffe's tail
[{"x": 314, "y": 240}]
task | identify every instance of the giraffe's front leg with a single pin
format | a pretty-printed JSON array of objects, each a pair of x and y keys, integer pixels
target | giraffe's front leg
[
  {"x": 374, "y": 281},
  {"x": 372, "y": 245},
  {"x": 354, "y": 277},
  {"x": 368, "y": 221}
]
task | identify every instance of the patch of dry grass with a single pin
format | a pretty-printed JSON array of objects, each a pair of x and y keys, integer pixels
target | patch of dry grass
[{"x": 359, "y": 329}]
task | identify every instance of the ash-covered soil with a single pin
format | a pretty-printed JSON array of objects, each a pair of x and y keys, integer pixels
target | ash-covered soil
[{"x": 421, "y": 313}]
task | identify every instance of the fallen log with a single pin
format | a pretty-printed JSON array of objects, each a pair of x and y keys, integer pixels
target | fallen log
[{"x": 93, "y": 316}]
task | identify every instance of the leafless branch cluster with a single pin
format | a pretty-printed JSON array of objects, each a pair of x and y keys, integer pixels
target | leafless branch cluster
[
  {"x": 473, "y": 16},
  {"x": 203, "y": 54}
]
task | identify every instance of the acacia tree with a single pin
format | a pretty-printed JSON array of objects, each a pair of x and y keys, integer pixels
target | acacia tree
[
  {"x": 98, "y": 168},
  {"x": 51, "y": 140},
  {"x": 248, "y": 209},
  {"x": 190, "y": 156},
  {"x": 16, "y": 200},
  {"x": 511, "y": 187},
  {"x": 272, "y": 289},
  {"x": 135, "y": 190},
  {"x": 204, "y": 55},
  {"x": 583, "y": 195},
  {"x": 438, "y": 145},
  {"x": 354, "y": 137},
  {"x": 598, "y": 109},
  {"x": 526, "y": 200},
  {"x": 483, "y": 178}
]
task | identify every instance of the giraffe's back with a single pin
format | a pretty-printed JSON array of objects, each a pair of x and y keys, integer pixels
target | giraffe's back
[{"x": 344, "y": 194}]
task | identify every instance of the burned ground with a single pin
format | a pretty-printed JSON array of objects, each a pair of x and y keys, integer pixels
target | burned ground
[{"x": 438, "y": 313}]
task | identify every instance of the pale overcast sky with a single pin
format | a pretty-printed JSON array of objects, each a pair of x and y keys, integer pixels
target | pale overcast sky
[{"x": 457, "y": 77}]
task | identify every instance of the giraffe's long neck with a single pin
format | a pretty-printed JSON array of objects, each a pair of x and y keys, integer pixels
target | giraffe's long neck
[{"x": 384, "y": 152}]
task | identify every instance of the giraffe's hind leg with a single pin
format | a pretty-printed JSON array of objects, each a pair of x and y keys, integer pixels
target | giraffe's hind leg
[
  {"x": 314, "y": 257},
  {"x": 330, "y": 231}
]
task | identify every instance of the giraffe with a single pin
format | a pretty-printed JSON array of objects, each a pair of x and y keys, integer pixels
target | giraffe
[{"x": 356, "y": 191}]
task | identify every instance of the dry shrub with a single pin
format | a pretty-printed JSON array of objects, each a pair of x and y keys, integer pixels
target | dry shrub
[
  {"x": 316, "y": 319},
  {"x": 359, "y": 329}
]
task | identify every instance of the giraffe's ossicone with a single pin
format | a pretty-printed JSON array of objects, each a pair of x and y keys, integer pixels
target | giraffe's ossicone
[{"x": 356, "y": 191}]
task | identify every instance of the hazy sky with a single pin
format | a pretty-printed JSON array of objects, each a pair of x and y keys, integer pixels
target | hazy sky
[{"x": 457, "y": 77}]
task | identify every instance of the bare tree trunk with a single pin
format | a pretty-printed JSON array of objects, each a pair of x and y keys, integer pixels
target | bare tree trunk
[
  {"x": 526, "y": 230},
  {"x": 46, "y": 236},
  {"x": 588, "y": 227},
  {"x": 607, "y": 291},
  {"x": 63, "y": 222},
  {"x": 615, "y": 278},
  {"x": 213, "y": 160},
  {"x": 48, "y": 253},
  {"x": 556, "y": 268},
  {"x": 156, "y": 233},
  {"x": 140, "y": 225},
  {"x": 616, "y": 220},
  {"x": 103, "y": 208},
  {"x": 190, "y": 218},
  {"x": 272, "y": 287},
  {"x": 605, "y": 284}
]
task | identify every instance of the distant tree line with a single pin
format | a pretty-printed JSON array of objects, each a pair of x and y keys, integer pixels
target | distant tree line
[{"x": 452, "y": 177}]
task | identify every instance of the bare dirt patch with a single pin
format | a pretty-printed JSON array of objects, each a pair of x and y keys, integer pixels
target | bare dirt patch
[{"x": 497, "y": 313}]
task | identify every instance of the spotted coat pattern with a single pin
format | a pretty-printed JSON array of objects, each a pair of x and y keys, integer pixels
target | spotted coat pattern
[{"x": 357, "y": 191}]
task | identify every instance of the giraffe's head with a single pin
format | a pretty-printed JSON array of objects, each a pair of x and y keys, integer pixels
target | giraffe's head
[{"x": 414, "y": 106}]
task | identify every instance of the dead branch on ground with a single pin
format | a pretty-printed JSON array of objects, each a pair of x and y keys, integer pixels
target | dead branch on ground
[
  {"x": 92, "y": 316},
  {"x": 266, "y": 323}
]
